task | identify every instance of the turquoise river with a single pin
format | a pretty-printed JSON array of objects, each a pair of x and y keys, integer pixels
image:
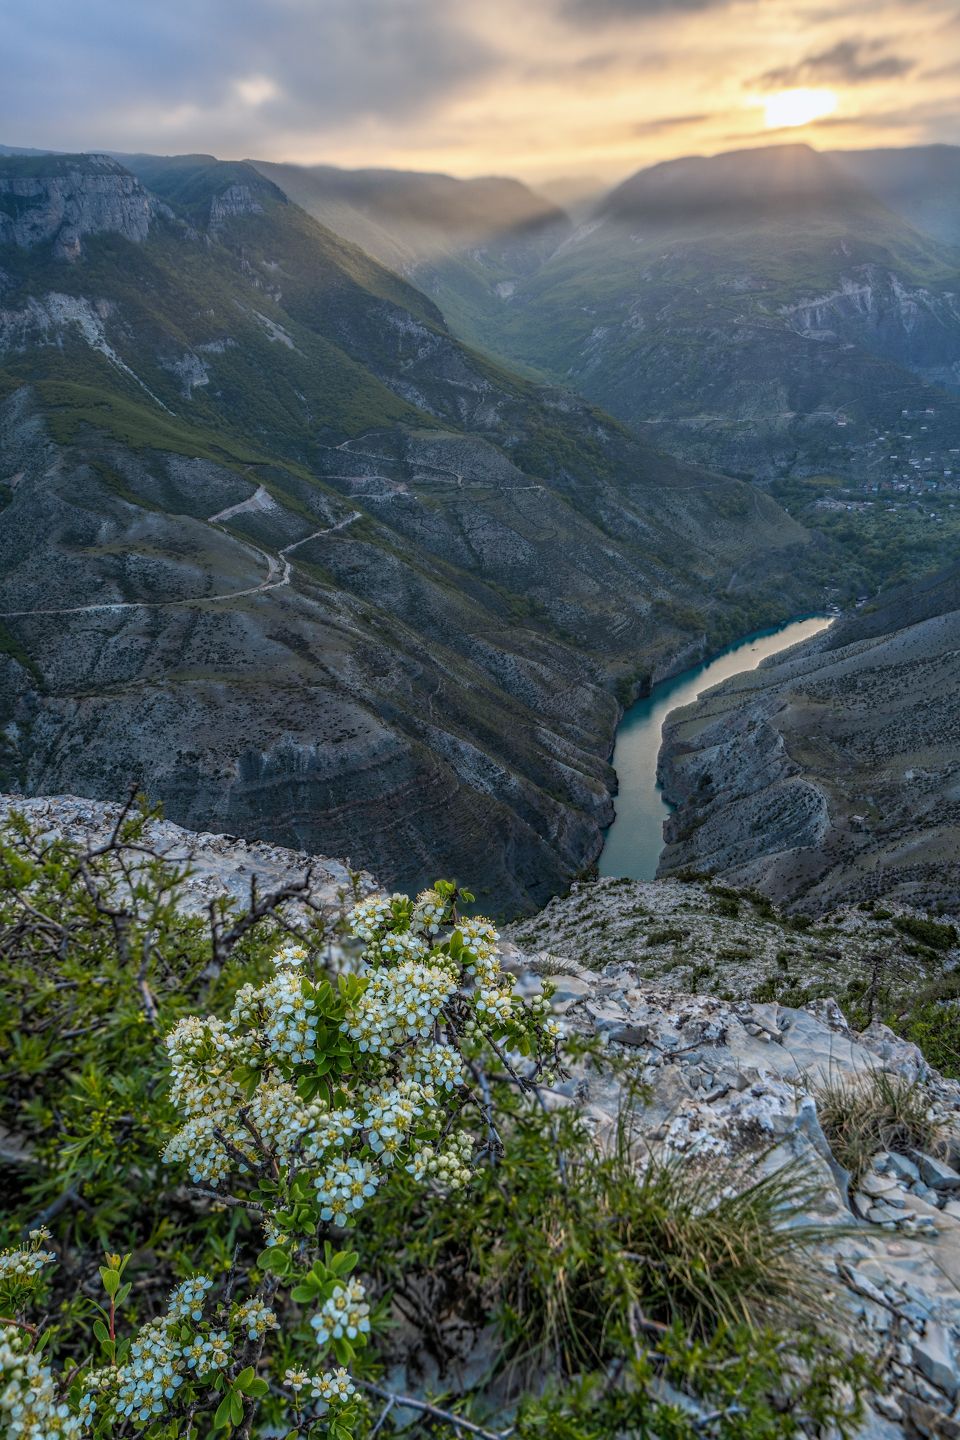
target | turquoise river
[{"x": 635, "y": 838}]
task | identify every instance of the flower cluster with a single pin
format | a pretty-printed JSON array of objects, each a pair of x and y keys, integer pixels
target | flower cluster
[
  {"x": 152, "y": 1374},
  {"x": 346, "y": 1315},
  {"x": 370, "y": 917},
  {"x": 315, "y": 1091},
  {"x": 186, "y": 1302},
  {"x": 23, "y": 1266},
  {"x": 332, "y": 1387},
  {"x": 342, "y": 1188},
  {"x": 450, "y": 1167},
  {"x": 30, "y": 1404},
  {"x": 208, "y": 1352},
  {"x": 400, "y": 1004},
  {"x": 255, "y": 1318}
]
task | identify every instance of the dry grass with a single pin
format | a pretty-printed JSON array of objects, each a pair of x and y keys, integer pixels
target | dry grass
[{"x": 875, "y": 1112}]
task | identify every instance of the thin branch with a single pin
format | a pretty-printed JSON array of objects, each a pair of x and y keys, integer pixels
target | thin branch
[
  {"x": 425, "y": 1408},
  {"x": 229, "y": 1200}
]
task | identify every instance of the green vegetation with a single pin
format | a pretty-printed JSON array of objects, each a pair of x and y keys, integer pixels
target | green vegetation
[
  {"x": 612, "y": 1281},
  {"x": 894, "y": 540},
  {"x": 927, "y": 932}
]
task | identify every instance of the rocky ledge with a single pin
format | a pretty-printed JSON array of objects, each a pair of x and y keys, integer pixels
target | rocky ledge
[
  {"x": 722, "y": 1079},
  {"x": 218, "y": 866}
]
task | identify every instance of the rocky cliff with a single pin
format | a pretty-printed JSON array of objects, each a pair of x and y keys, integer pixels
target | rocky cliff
[
  {"x": 279, "y": 549},
  {"x": 832, "y": 770},
  {"x": 58, "y": 201}
]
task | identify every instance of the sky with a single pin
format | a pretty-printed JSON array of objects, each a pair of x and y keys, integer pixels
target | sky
[{"x": 543, "y": 89}]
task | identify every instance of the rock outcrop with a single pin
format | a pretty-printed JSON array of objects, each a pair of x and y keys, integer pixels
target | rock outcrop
[
  {"x": 63, "y": 200},
  {"x": 219, "y": 867},
  {"x": 833, "y": 770},
  {"x": 733, "y": 1083},
  {"x": 726, "y": 1081}
]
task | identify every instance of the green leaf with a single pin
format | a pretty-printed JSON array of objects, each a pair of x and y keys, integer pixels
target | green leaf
[
  {"x": 102, "y": 1333},
  {"x": 244, "y": 1378},
  {"x": 222, "y": 1417},
  {"x": 111, "y": 1280},
  {"x": 274, "y": 1258},
  {"x": 303, "y": 1294},
  {"x": 236, "y": 1407}
]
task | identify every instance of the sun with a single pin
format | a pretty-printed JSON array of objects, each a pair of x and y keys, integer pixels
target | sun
[{"x": 798, "y": 107}]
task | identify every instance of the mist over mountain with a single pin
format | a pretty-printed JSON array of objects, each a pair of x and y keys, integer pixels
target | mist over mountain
[
  {"x": 920, "y": 182},
  {"x": 323, "y": 575},
  {"x": 465, "y": 243},
  {"x": 763, "y": 312}
]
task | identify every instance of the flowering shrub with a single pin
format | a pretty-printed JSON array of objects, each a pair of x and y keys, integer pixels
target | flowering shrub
[
  {"x": 355, "y": 1118},
  {"x": 296, "y": 1109}
]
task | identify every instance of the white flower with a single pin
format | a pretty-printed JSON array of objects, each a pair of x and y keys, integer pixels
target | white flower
[
  {"x": 152, "y": 1374},
  {"x": 255, "y": 1318},
  {"x": 344, "y": 1187},
  {"x": 344, "y": 1316},
  {"x": 186, "y": 1302},
  {"x": 332, "y": 1387},
  {"x": 30, "y": 1405}
]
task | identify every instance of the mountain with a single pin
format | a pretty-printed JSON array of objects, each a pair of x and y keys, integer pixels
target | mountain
[
  {"x": 466, "y": 243},
  {"x": 920, "y": 182},
  {"x": 831, "y": 774},
  {"x": 277, "y": 547},
  {"x": 762, "y": 312}
]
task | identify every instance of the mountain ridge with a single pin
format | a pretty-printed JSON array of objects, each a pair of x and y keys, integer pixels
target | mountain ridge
[{"x": 332, "y": 578}]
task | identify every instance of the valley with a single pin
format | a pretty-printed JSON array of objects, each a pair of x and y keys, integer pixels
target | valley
[
  {"x": 328, "y": 576},
  {"x": 324, "y": 576}
]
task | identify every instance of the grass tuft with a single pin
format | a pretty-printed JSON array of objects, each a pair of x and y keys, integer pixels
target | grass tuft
[{"x": 875, "y": 1112}]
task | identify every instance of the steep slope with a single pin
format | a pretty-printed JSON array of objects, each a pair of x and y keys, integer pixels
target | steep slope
[
  {"x": 833, "y": 773},
  {"x": 278, "y": 548},
  {"x": 466, "y": 243},
  {"x": 920, "y": 182},
  {"x": 761, "y": 312}
]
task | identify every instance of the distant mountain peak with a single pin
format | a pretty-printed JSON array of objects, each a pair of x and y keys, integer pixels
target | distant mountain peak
[{"x": 737, "y": 186}]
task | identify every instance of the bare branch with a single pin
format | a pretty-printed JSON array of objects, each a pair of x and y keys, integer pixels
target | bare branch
[{"x": 457, "y": 1421}]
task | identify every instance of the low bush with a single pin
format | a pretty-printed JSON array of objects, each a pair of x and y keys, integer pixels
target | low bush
[
  {"x": 934, "y": 935},
  {"x": 671, "y": 934}
]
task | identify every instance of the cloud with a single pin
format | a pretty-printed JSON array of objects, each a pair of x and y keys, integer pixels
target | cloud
[
  {"x": 669, "y": 122},
  {"x": 239, "y": 72},
  {"x": 589, "y": 12},
  {"x": 849, "y": 62}
]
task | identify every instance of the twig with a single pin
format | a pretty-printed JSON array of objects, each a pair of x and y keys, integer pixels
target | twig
[
  {"x": 494, "y": 1142},
  {"x": 383, "y": 1415},
  {"x": 265, "y": 1294},
  {"x": 408, "y": 1402},
  {"x": 229, "y": 1200},
  {"x": 70, "y": 1196}
]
